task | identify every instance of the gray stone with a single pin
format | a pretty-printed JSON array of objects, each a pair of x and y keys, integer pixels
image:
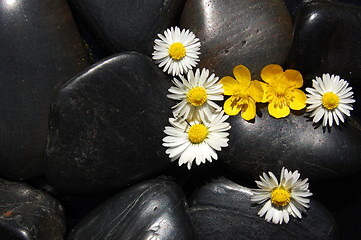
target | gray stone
[
  {"x": 154, "y": 209},
  {"x": 232, "y": 32},
  {"x": 41, "y": 49},
  {"x": 294, "y": 142},
  {"x": 27, "y": 213},
  {"x": 128, "y": 25},
  {"x": 223, "y": 210},
  {"x": 106, "y": 126}
]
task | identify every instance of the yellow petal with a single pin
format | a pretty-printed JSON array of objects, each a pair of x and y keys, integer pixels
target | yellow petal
[
  {"x": 256, "y": 91},
  {"x": 278, "y": 112},
  {"x": 294, "y": 77},
  {"x": 264, "y": 87},
  {"x": 230, "y": 85},
  {"x": 299, "y": 100},
  {"x": 250, "y": 111},
  {"x": 242, "y": 75},
  {"x": 231, "y": 107},
  {"x": 272, "y": 73}
]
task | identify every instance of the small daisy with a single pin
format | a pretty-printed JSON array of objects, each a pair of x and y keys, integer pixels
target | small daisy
[
  {"x": 196, "y": 140},
  {"x": 177, "y": 51},
  {"x": 330, "y": 99},
  {"x": 284, "y": 198},
  {"x": 196, "y": 93}
]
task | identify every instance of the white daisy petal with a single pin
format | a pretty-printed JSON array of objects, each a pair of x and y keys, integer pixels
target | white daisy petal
[
  {"x": 330, "y": 99},
  {"x": 176, "y": 51},
  {"x": 197, "y": 94},
  {"x": 194, "y": 140},
  {"x": 288, "y": 197}
]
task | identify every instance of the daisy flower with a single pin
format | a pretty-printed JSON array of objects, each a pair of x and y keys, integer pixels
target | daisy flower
[
  {"x": 196, "y": 94},
  {"x": 196, "y": 140},
  {"x": 176, "y": 51},
  {"x": 283, "y": 198},
  {"x": 281, "y": 90},
  {"x": 244, "y": 93},
  {"x": 330, "y": 99}
]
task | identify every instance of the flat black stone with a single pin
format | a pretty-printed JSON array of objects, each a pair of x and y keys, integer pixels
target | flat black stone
[
  {"x": 40, "y": 50},
  {"x": 294, "y": 142},
  {"x": 223, "y": 210},
  {"x": 27, "y": 213},
  {"x": 128, "y": 25},
  {"x": 327, "y": 40},
  {"x": 232, "y": 32},
  {"x": 154, "y": 209},
  {"x": 106, "y": 126},
  {"x": 293, "y": 5}
]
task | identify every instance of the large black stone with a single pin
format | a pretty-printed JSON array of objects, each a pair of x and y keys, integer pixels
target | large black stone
[
  {"x": 40, "y": 50},
  {"x": 128, "y": 25},
  {"x": 294, "y": 142},
  {"x": 223, "y": 210},
  {"x": 155, "y": 209},
  {"x": 293, "y": 5},
  {"x": 232, "y": 32},
  {"x": 345, "y": 205},
  {"x": 106, "y": 126},
  {"x": 27, "y": 213},
  {"x": 327, "y": 40}
]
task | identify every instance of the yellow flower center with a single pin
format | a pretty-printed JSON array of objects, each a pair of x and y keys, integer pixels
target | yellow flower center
[
  {"x": 197, "y": 133},
  {"x": 279, "y": 94},
  {"x": 177, "y": 51},
  {"x": 330, "y": 100},
  {"x": 197, "y": 96},
  {"x": 280, "y": 197}
]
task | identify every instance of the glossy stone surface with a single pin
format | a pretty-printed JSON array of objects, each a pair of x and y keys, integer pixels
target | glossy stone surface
[
  {"x": 106, "y": 126},
  {"x": 128, "y": 25},
  {"x": 232, "y": 32},
  {"x": 293, "y": 5},
  {"x": 40, "y": 50},
  {"x": 327, "y": 40},
  {"x": 154, "y": 209},
  {"x": 222, "y": 210},
  {"x": 346, "y": 208},
  {"x": 75, "y": 206},
  {"x": 28, "y": 213},
  {"x": 268, "y": 144}
]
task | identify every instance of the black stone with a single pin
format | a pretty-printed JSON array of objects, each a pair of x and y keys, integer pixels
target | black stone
[
  {"x": 155, "y": 209},
  {"x": 106, "y": 126},
  {"x": 40, "y": 50},
  {"x": 128, "y": 25},
  {"x": 27, "y": 213},
  {"x": 223, "y": 210},
  {"x": 343, "y": 198},
  {"x": 232, "y": 32},
  {"x": 293, "y": 5},
  {"x": 327, "y": 40},
  {"x": 76, "y": 207},
  {"x": 294, "y": 142}
]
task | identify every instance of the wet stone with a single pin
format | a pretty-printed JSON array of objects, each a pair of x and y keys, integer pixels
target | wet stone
[
  {"x": 327, "y": 40},
  {"x": 223, "y": 209},
  {"x": 253, "y": 33},
  {"x": 128, "y": 25},
  {"x": 294, "y": 142},
  {"x": 27, "y": 213},
  {"x": 151, "y": 209},
  {"x": 106, "y": 126},
  {"x": 40, "y": 50}
]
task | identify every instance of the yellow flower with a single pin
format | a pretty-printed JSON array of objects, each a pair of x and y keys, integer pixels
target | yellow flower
[
  {"x": 244, "y": 93},
  {"x": 280, "y": 90}
]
